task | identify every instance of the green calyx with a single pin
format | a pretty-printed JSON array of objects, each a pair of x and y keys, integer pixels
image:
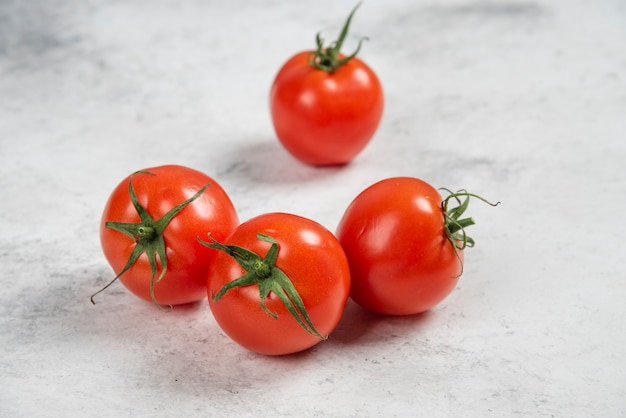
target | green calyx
[
  {"x": 148, "y": 237},
  {"x": 262, "y": 272},
  {"x": 327, "y": 58},
  {"x": 453, "y": 208}
]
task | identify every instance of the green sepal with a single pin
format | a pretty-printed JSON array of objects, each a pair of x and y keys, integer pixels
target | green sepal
[
  {"x": 264, "y": 273},
  {"x": 327, "y": 58},
  {"x": 148, "y": 237},
  {"x": 454, "y": 223}
]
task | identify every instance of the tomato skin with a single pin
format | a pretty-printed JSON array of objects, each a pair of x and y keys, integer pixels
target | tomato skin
[
  {"x": 188, "y": 260},
  {"x": 325, "y": 118},
  {"x": 310, "y": 256},
  {"x": 400, "y": 258}
]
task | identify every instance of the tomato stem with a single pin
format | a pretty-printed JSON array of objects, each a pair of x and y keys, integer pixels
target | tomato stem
[
  {"x": 327, "y": 58},
  {"x": 460, "y": 224},
  {"x": 264, "y": 273},
  {"x": 148, "y": 237},
  {"x": 263, "y": 270},
  {"x": 454, "y": 223},
  {"x": 146, "y": 232}
]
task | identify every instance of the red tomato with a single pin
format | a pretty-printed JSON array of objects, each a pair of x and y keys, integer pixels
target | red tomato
[
  {"x": 184, "y": 261},
  {"x": 326, "y": 107},
  {"x": 253, "y": 314},
  {"x": 405, "y": 251}
]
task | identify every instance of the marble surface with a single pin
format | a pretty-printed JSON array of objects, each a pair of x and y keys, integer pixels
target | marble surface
[{"x": 521, "y": 101}]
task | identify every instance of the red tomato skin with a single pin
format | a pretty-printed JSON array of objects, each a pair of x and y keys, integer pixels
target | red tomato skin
[
  {"x": 310, "y": 256},
  {"x": 401, "y": 261},
  {"x": 188, "y": 260},
  {"x": 325, "y": 118}
]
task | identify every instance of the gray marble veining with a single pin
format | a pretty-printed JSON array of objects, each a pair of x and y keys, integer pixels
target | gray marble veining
[{"x": 521, "y": 101}]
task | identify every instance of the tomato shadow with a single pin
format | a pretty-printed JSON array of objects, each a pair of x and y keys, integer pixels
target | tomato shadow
[
  {"x": 359, "y": 326},
  {"x": 182, "y": 351},
  {"x": 266, "y": 161}
]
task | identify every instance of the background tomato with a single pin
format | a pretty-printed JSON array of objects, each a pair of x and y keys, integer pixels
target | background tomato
[
  {"x": 314, "y": 261},
  {"x": 326, "y": 114},
  {"x": 401, "y": 259},
  {"x": 187, "y": 259}
]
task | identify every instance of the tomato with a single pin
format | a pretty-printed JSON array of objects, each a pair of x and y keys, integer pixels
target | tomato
[
  {"x": 326, "y": 107},
  {"x": 155, "y": 215},
  {"x": 404, "y": 245},
  {"x": 279, "y": 285}
]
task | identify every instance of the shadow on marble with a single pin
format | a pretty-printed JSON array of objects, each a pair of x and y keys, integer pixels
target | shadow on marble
[
  {"x": 182, "y": 353},
  {"x": 265, "y": 161},
  {"x": 362, "y": 327}
]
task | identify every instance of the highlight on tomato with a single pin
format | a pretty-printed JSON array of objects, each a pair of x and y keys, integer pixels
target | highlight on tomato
[
  {"x": 149, "y": 230},
  {"x": 326, "y": 106},
  {"x": 279, "y": 283},
  {"x": 405, "y": 244}
]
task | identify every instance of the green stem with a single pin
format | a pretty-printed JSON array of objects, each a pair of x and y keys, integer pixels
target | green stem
[
  {"x": 454, "y": 223},
  {"x": 460, "y": 224},
  {"x": 264, "y": 273},
  {"x": 146, "y": 232},
  {"x": 327, "y": 58}
]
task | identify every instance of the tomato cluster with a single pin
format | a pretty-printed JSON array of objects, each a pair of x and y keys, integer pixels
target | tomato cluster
[{"x": 278, "y": 283}]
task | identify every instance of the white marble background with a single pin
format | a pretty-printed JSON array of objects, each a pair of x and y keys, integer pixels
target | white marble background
[{"x": 522, "y": 101}]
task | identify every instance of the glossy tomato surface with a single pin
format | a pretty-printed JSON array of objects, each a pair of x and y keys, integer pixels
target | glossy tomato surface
[
  {"x": 400, "y": 258},
  {"x": 314, "y": 261},
  {"x": 325, "y": 118},
  {"x": 187, "y": 259}
]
